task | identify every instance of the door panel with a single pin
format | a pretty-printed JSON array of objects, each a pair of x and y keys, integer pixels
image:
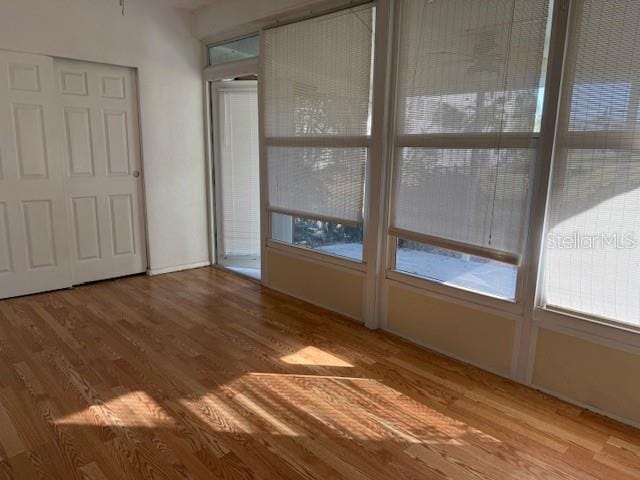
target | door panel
[
  {"x": 121, "y": 210},
  {"x": 6, "y": 265},
  {"x": 116, "y": 135},
  {"x": 102, "y": 169},
  {"x": 28, "y": 127},
  {"x": 73, "y": 82},
  {"x": 113, "y": 87},
  {"x": 24, "y": 76},
  {"x": 34, "y": 254},
  {"x": 38, "y": 226},
  {"x": 77, "y": 122},
  {"x": 85, "y": 226}
]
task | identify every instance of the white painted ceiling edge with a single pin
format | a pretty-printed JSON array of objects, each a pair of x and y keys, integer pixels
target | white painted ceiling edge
[
  {"x": 226, "y": 18},
  {"x": 158, "y": 41},
  {"x": 189, "y": 5}
]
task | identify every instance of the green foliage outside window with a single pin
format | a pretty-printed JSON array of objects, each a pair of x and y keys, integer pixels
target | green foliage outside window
[{"x": 316, "y": 233}]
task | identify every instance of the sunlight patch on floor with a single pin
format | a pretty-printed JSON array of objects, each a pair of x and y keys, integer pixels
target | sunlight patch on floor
[
  {"x": 219, "y": 414},
  {"x": 314, "y": 356},
  {"x": 301, "y": 375},
  {"x": 130, "y": 409},
  {"x": 291, "y": 403}
]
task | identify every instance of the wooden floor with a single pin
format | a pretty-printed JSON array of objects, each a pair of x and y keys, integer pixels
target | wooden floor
[{"x": 204, "y": 375}]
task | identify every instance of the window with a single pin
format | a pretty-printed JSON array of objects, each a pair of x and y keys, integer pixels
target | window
[
  {"x": 469, "y": 88},
  {"x": 457, "y": 269},
  {"x": 317, "y": 115},
  {"x": 592, "y": 260},
  {"x": 327, "y": 237},
  {"x": 241, "y": 49}
]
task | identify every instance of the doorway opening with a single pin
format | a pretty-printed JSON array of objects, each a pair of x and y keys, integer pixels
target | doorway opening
[{"x": 236, "y": 173}]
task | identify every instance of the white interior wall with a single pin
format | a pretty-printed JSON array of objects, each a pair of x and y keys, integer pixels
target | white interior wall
[{"x": 159, "y": 42}]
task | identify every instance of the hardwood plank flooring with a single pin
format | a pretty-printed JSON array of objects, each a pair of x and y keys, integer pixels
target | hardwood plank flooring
[{"x": 205, "y": 375}]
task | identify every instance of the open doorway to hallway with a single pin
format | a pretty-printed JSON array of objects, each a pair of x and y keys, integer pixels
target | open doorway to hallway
[{"x": 236, "y": 174}]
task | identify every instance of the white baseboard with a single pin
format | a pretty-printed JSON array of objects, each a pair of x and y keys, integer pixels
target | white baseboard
[{"x": 177, "y": 268}]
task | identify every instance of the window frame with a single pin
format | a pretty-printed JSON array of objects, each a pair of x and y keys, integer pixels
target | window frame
[
  {"x": 255, "y": 34},
  {"x": 379, "y": 244},
  {"x": 548, "y": 314},
  {"x": 398, "y": 141},
  {"x": 367, "y": 142},
  {"x": 527, "y": 311}
]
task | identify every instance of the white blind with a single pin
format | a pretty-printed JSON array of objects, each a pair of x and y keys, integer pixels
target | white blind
[
  {"x": 239, "y": 180},
  {"x": 592, "y": 262},
  {"x": 317, "y": 83},
  {"x": 473, "y": 196},
  {"x": 324, "y": 181},
  {"x": 469, "y": 97}
]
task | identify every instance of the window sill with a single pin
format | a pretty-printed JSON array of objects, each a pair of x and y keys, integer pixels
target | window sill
[
  {"x": 601, "y": 331},
  {"x": 317, "y": 256},
  {"x": 509, "y": 308}
]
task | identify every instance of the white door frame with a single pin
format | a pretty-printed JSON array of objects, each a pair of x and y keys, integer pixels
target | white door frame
[{"x": 212, "y": 75}]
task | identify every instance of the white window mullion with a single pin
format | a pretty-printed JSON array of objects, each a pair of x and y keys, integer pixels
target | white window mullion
[
  {"x": 499, "y": 255},
  {"x": 323, "y": 218},
  {"x": 326, "y": 141},
  {"x": 470, "y": 140}
]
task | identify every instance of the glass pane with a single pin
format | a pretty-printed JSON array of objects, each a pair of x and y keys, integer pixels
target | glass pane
[
  {"x": 461, "y": 270},
  {"x": 333, "y": 238},
  {"x": 327, "y": 182},
  {"x": 592, "y": 262},
  {"x": 235, "y": 50},
  {"x": 471, "y": 66},
  {"x": 317, "y": 75},
  {"x": 592, "y": 259},
  {"x": 475, "y": 196}
]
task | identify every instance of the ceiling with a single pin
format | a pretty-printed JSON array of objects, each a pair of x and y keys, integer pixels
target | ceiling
[
  {"x": 192, "y": 4},
  {"x": 184, "y": 4}
]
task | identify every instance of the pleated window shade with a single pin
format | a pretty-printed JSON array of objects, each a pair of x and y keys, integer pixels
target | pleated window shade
[
  {"x": 468, "y": 108},
  {"x": 592, "y": 261},
  {"x": 317, "y": 114}
]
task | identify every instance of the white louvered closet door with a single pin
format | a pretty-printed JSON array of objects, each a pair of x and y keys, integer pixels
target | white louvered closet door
[
  {"x": 238, "y": 169},
  {"x": 34, "y": 254}
]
